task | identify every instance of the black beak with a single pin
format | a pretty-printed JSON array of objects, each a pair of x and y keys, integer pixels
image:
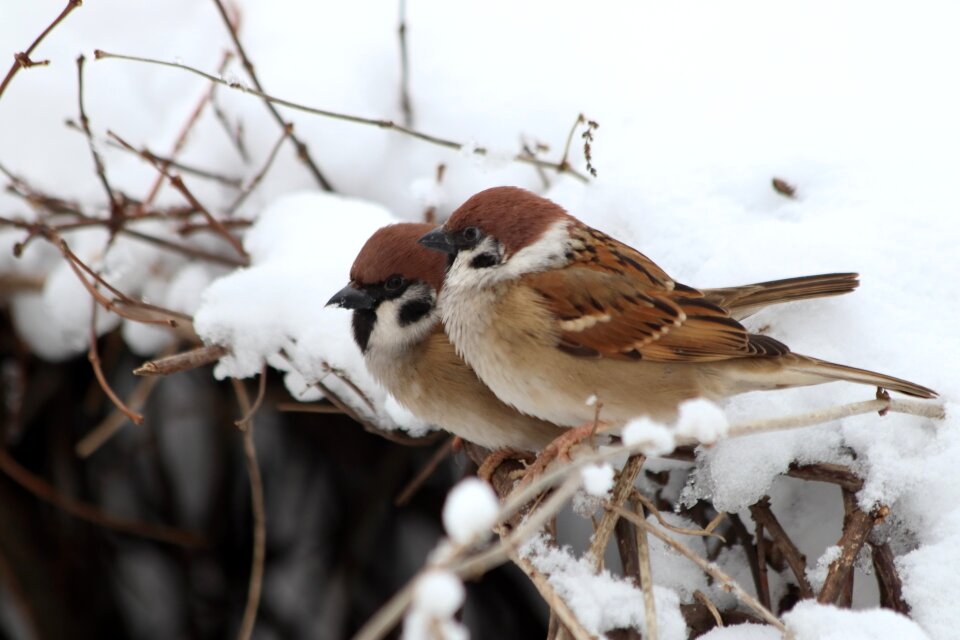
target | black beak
[
  {"x": 351, "y": 298},
  {"x": 439, "y": 241}
]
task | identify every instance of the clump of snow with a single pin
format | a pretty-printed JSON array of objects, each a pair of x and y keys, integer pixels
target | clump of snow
[
  {"x": 701, "y": 420},
  {"x": 745, "y": 631},
  {"x": 437, "y": 595},
  {"x": 655, "y": 438},
  {"x": 811, "y": 621},
  {"x": 470, "y": 511},
  {"x": 602, "y": 602},
  {"x": 597, "y": 479},
  {"x": 591, "y": 400}
]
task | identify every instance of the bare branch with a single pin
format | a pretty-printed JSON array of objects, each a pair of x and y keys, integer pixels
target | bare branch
[
  {"x": 382, "y": 124},
  {"x": 199, "y": 357},
  {"x": 302, "y": 151},
  {"x": 256, "y": 504},
  {"x": 22, "y": 59}
]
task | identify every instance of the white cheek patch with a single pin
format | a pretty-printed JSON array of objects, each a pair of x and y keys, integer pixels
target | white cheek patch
[
  {"x": 546, "y": 253},
  {"x": 389, "y": 334}
]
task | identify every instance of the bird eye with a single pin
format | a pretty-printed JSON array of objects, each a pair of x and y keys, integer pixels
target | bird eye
[
  {"x": 471, "y": 234},
  {"x": 393, "y": 283}
]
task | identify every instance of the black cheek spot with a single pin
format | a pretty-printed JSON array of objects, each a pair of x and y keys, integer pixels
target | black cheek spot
[
  {"x": 413, "y": 311},
  {"x": 363, "y": 321},
  {"x": 483, "y": 261}
]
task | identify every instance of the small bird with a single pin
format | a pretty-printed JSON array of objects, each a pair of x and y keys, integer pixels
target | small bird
[
  {"x": 549, "y": 311},
  {"x": 393, "y": 290}
]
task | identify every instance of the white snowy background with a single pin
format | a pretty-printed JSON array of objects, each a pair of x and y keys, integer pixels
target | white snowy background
[{"x": 699, "y": 106}]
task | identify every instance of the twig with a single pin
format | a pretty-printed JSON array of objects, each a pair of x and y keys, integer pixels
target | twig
[
  {"x": 417, "y": 481},
  {"x": 827, "y": 472},
  {"x": 729, "y": 584},
  {"x": 94, "y": 358},
  {"x": 763, "y": 593},
  {"x": 383, "y": 124},
  {"x": 247, "y": 190},
  {"x": 701, "y": 597},
  {"x": 146, "y": 154},
  {"x": 764, "y": 517},
  {"x": 637, "y": 495},
  {"x": 565, "y": 158},
  {"x": 608, "y": 522},
  {"x": 553, "y": 599},
  {"x": 405, "y": 104},
  {"x": 300, "y": 407},
  {"x": 256, "y": 504},
  {"x": 90, "y": 513},
  {"x": 91, "y": 442},
  {"x": 116, "y": 211},
  {"x": 927, "y": 409},
  {"x": 177, "y": 183},
  {"x": 891, "y": 588},
  {"x": 302, "y": 151},
  {"x": 646, "y": 578},
  {"x": 192, "y": 252},
  {"x": 199, "y": 357},
  {"x": 261, "y": 393},
  {"x": 854, "y": 536},
  {"x": 22, "y": 59},
  {"x": 181, "y": 139}
]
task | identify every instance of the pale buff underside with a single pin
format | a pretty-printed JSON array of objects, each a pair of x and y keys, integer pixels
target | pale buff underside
[
  {"x": 430, "y": 380},
  {"x": 500, "y": 332}
]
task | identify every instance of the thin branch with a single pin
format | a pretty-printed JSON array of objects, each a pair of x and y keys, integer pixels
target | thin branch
[
  {"x": 763, "y": 593},
  {"x": 854, "y": 536},
  {"x": 701, "y": 597},
  {"x": 181, "y": 139},
  {"x": 22, "y": 59},
  {"x": 91, "y": 442},
  {"x": 382, "y": 124},
  {"x": 891, "y": 588},
  {"x": 255, "y": 182},
  {"x": 199, "y": 357},
  {"x": 256, "y": 504},
  {"x": 405, "y": 104},
  {"x": 90, "y": 513},
  {"x": 302, "y": 151},
  {"x": 94, "y": 357},
  {"x": 637, "y": 495},
  {"x": 827, "y": 472},
  {"x": 728, "y": 583},
  {"x": 177, "y": 183},
  {"x": 646, "y": 578},
  {"x": 553, "y": 599},
  {"x": 116, "y": 211},
  {"x": 300, "y": 407},
  {"x": 417, "y": 481},
  {"x": 608, "y": 522},
  {"x": 764, "y": 517}
]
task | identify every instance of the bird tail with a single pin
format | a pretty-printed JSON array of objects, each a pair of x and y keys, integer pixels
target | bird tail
[
  {"x": 822, "y": 371},
  {"x": 746, "y": 300}
]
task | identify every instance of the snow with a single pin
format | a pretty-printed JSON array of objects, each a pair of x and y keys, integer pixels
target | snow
[
  {"x": 603, "y": 602},
  {"x": 597, "y": 479},
  {"x": 699, "y": 107},
  {"x": 811, "y": 621},
  {"x": 701, "y": 420},
  {"x": 470, "y": 511},
  {"x": 655, "y": 438},
  {"x": 437, "y": 595}
]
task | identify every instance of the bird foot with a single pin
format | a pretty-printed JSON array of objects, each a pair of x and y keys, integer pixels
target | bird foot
[
  {"x": 559, "y": 449},
  {"x": 493, "y": 461}
]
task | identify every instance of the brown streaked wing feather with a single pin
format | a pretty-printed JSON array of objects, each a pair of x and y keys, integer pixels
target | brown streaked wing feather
[{"x": 614, "y": 302}]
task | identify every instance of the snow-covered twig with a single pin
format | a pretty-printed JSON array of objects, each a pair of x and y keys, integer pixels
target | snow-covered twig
[
  {"x": 621, "y": 492},
  {"x": 552, "y": 598}
]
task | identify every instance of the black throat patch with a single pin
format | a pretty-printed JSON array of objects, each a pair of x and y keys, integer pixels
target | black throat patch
[{"x": 363, "y": 321}]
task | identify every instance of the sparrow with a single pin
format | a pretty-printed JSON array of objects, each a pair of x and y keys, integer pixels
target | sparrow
[
  {"x": 549, "y": 312},
  {"x": 393, "y": 290}
]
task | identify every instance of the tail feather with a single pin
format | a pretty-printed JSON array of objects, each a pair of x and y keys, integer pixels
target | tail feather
[
  {"x": 807, "y": 366},
  {"x": 746, "y": 300}
]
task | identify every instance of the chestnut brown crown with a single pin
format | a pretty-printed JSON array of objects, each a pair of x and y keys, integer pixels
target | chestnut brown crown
[
  {"x": 514, "y": 216},
  {"x": 393, "y": 250}
]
